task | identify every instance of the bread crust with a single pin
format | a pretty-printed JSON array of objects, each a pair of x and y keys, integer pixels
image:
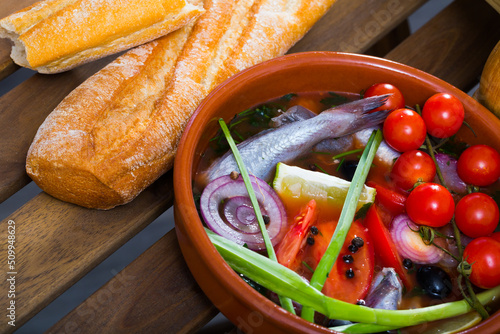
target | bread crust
[
  {"x": 53, "y": 36},
  {"x": 118, "y": 132}
]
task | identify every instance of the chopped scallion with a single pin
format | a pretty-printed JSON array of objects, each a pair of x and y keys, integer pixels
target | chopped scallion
[{"x": 285, "y": 302}]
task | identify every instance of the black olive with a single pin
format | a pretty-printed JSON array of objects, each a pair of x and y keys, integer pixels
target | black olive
[
  {"x": 348, "y": 168},
  {"x": 434, "y": 281}
]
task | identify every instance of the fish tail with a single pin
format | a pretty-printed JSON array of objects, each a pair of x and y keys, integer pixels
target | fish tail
[
  {"x": 368, "y": 120},
  {"x": 361, "y": 106},
  {"x": 362, "y": 109}
]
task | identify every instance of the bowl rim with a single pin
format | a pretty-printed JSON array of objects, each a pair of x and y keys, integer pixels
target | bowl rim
[{"x": 184, "y": 161}]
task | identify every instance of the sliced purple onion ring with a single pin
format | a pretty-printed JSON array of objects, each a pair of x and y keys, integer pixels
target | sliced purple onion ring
[
  {"x": 227, "y": 210},
  {"x": 448, "y": 166},
  {"x": 410, "y": 244}
]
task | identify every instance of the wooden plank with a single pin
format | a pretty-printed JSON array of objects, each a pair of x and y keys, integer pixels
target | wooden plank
[
  {"x": 57, "y": 243},
  {"x": 7, "y": 66},
  {"x": 155, "y": 294},
  {"x": 9, "y": 7},
  {"x": 453, "y": 45},
  {"x": 354, "y": 26},
  {"x": 495, "y": 4},
  {"x": 22, "y": 110}
]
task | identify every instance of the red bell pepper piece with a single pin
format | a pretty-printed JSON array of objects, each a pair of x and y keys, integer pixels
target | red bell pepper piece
[
  {"x": 294, "y": 240},
  {"x": 393, "y": 201},
  {"x": 385, "y": 249}
]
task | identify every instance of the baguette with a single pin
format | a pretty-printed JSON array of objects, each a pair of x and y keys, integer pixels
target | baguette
[
  {"x": 53, "y": 36},
  {"x": 118, "y": 131}
]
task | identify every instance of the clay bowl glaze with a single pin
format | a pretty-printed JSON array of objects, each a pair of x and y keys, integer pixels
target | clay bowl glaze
[{"x": 301, "y": 72}]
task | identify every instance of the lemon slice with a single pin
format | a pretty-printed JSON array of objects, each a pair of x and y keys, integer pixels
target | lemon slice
[
  {"x": 454, "y": 325},
  {"x": 295, "y": 184}
]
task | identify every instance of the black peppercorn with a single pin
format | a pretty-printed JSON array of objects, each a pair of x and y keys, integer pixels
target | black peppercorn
[
  {"x": 348, "y": 258},
  {"x": 349, "y": 273},
  {"x": 352, "y": 248},
  {"x": 407, "y": 263},
  {"x": 314, "y": 230},
  {"x": 358, "y": 242},
  {"x": 310, "y": 240}
]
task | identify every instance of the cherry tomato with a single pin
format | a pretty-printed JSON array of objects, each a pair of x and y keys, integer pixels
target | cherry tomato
[
  {"x": 294, "y": 239},
  {"x": 479, "y": 165},
  {"x": 430, "y": 204},
  {"x": 395, "y": 101},
  {"x": 385, "y": 249},
  {"x": 340, "y": 284},
  {"x": 496, "y": 236},
  {"x": 412, "y": 167},
  {"x": 477, "y": 215},
  {"x": 404, "y": 130},
  {"x": 484, "y": 255},
  {"x": 443, "y": 115}
]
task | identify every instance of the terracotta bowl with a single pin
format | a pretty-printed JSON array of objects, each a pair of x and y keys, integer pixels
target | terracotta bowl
[{"x": 310, "y": 71}]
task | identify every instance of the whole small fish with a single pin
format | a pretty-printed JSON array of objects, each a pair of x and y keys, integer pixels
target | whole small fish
[{"x": 297, "y": 133}]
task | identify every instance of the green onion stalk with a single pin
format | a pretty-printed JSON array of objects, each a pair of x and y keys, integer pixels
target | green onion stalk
[
  {"x": 346, "y": 217},
  {"x": 286, "y": 303},
  {"x": 289, "y": 284}
]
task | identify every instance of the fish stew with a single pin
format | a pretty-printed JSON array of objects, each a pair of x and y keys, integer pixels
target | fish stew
[{"x": 374, "y": 242}]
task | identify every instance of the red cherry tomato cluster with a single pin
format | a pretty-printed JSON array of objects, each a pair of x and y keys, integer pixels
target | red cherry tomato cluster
[{"x": 431, "y": 204}]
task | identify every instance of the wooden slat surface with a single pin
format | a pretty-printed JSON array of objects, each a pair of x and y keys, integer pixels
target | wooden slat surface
[
  {"x": 455, "y": 44},
  {"x": 7, "y": 66},
  {"x": 354, "y": 26},
  {"x": 138, "y": 295},
  {"x": 57, "y": 243},
  {"x": 62, "y": 242}
]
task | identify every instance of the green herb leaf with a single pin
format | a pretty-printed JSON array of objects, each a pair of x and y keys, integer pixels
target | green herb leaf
[{"x": 334, "y": 100}]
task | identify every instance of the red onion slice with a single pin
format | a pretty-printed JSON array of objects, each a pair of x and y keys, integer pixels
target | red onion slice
[
  {"x": 410, "y": 244},
  {"x": 239, "y": 213},
  {"x": 448, "y": 166},
  {"x": 227, "y": 210}
]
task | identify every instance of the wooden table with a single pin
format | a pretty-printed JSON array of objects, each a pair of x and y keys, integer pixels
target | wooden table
[{"x": 58, "y": 243}]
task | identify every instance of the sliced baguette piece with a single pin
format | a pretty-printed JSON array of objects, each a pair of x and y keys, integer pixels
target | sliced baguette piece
[
  {"x": 53, "y": 36},
  {"x": 118, "y": 132}
]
